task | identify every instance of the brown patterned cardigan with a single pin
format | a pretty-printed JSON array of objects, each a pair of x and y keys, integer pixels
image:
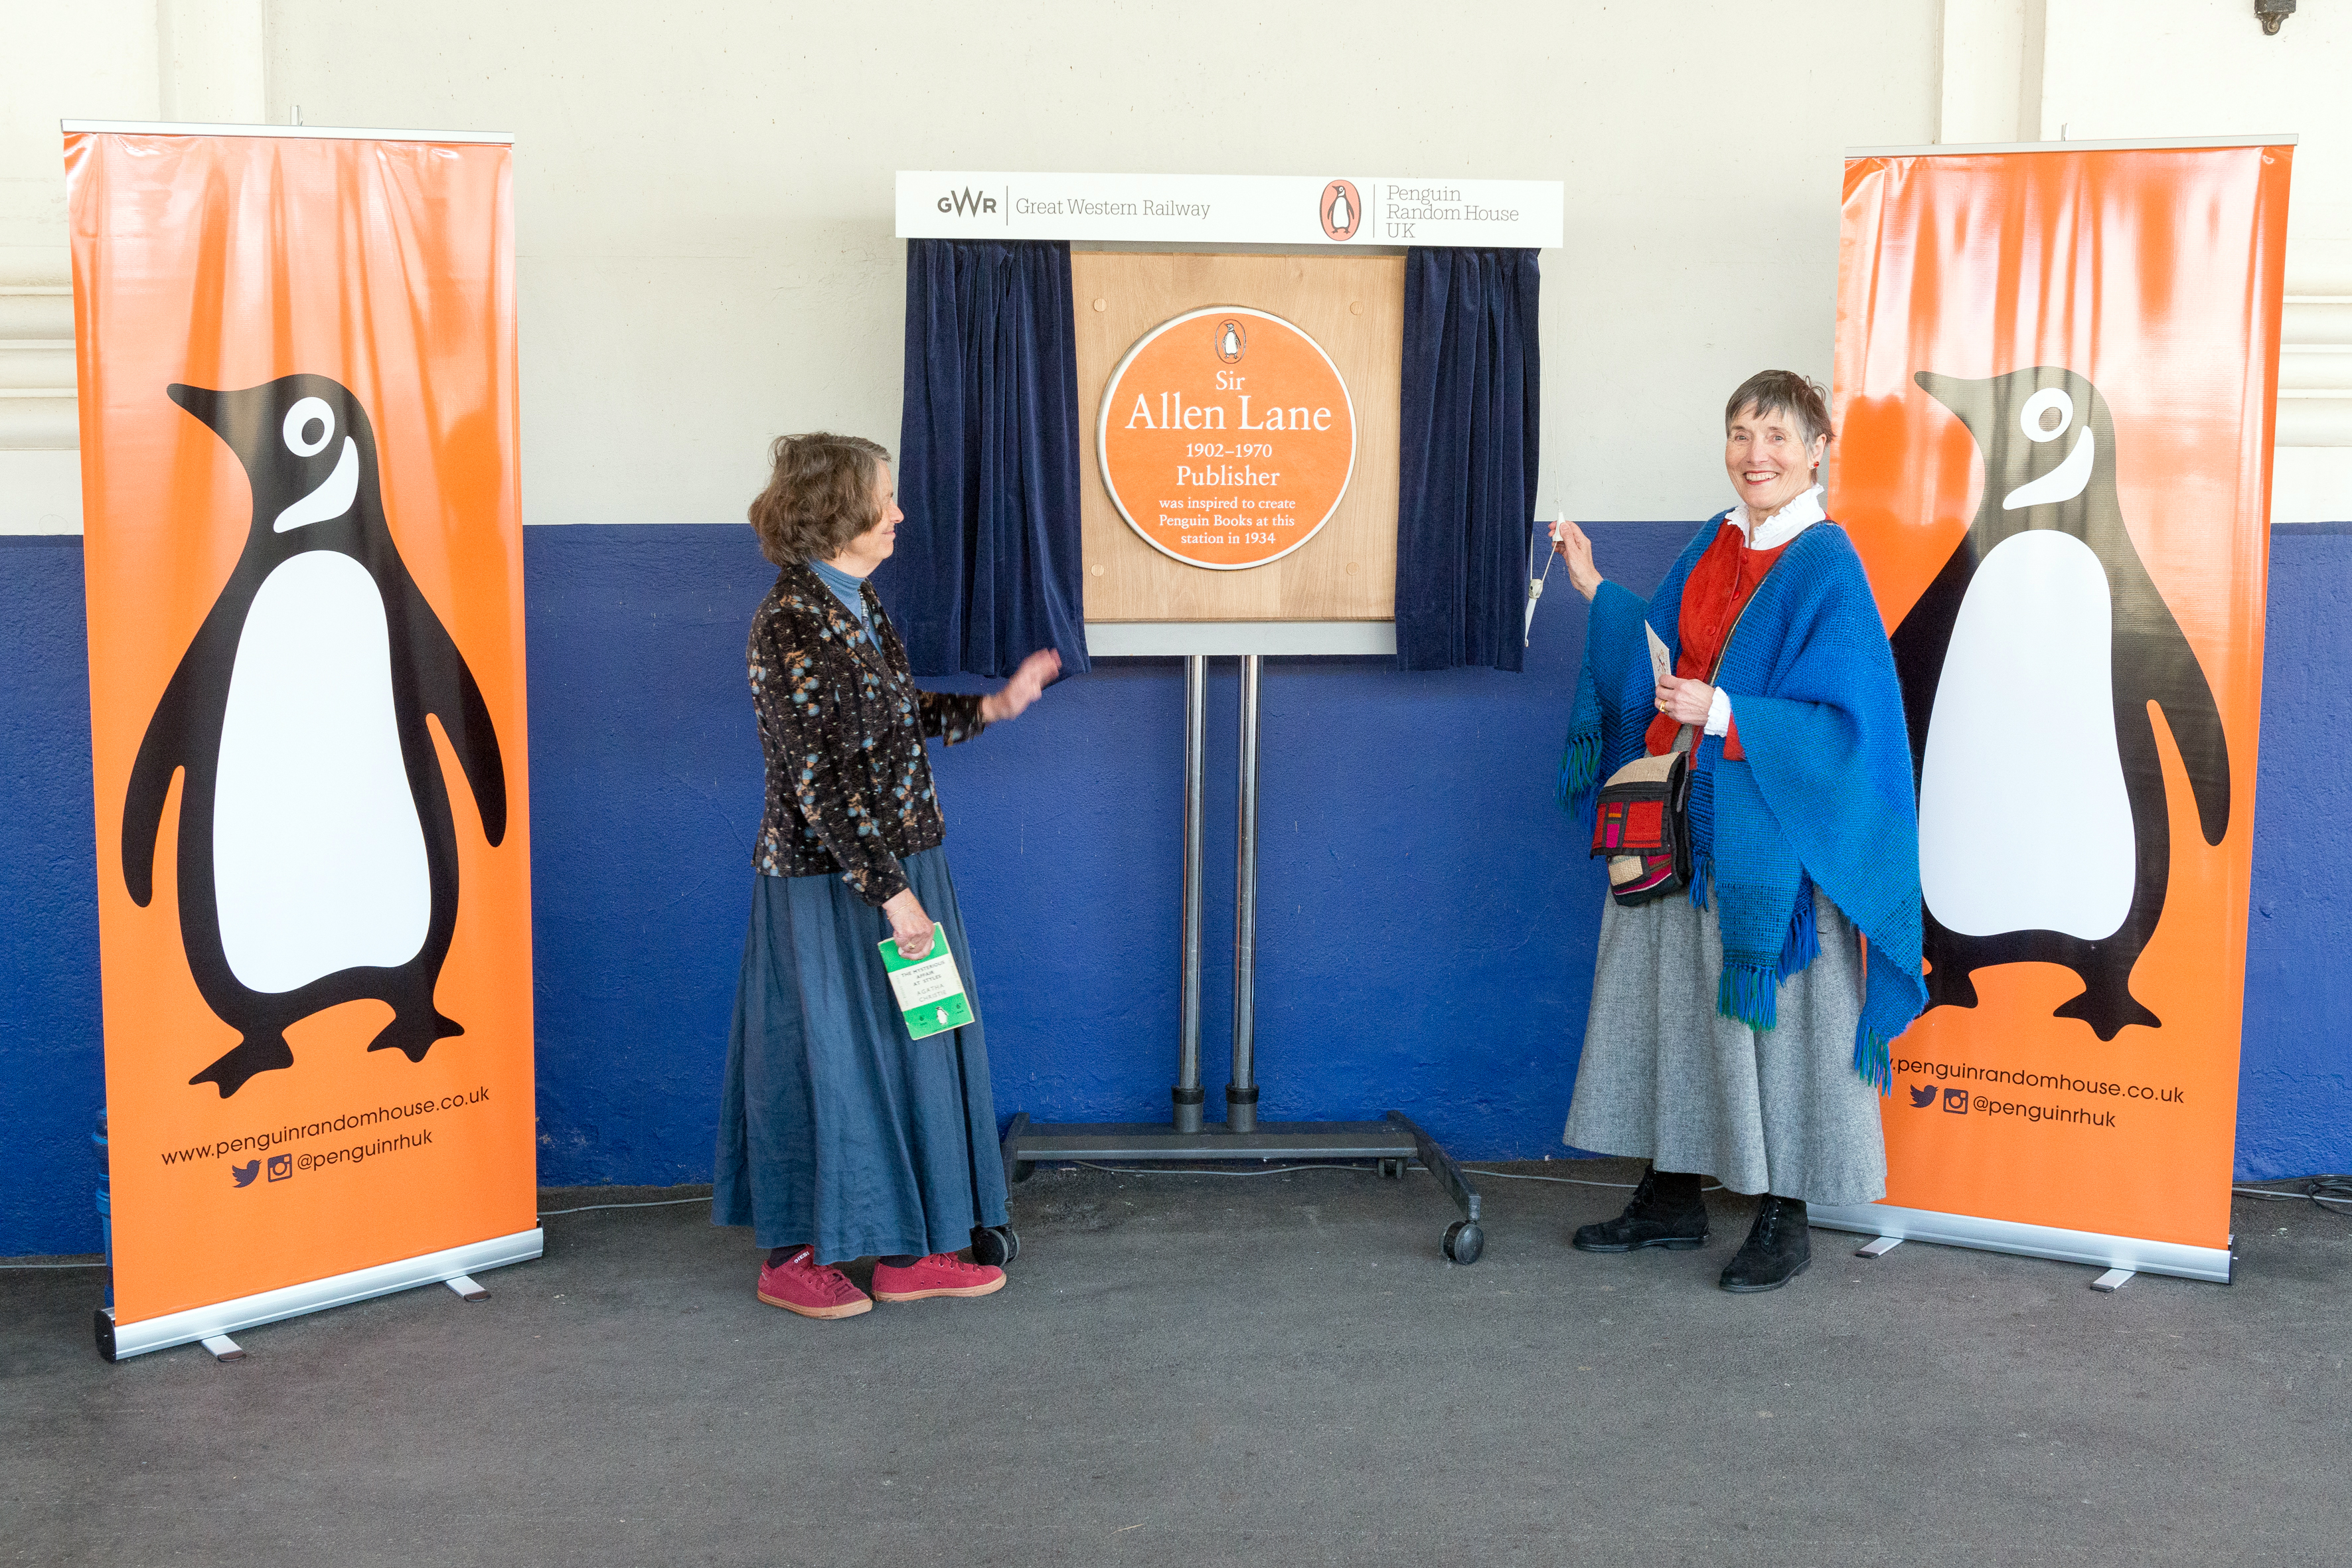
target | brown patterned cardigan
[{"x": 842, "y": 729}]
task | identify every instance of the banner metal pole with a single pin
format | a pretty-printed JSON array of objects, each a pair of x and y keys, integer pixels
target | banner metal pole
[
  {"x": 1241, "y": 1094},
  {"x": 1188, "y": 1094}
]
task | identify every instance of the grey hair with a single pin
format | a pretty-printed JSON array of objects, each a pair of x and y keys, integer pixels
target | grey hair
[{"x": 1783, "y": 391}]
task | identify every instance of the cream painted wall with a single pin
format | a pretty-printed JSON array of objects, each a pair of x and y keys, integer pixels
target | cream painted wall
[
  {"x": 2193, "y": 68},
  {"x": 101, "y": 53},
  {"x": 703, "y": 194},
  {"x": 2119, "y": 70},
  {"x": 96, "y": 60},
  {"x": 705, "y": 207}
]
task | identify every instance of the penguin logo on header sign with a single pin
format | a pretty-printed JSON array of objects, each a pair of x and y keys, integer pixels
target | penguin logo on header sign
[
  {"x": 1341, "y": 209},
  {"x": 2028, "y": 667},
  {"x": 318, "y": 858}
]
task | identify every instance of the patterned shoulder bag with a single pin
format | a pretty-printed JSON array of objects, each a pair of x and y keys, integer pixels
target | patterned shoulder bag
[{"x": 1641, "y": 818}]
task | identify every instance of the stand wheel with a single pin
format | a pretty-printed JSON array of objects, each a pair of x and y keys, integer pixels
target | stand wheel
[
  {"x": 1464, "y": 1242},
  {"x": 997, "y": 1245},
  {"x": 1024, "y": 1169}
]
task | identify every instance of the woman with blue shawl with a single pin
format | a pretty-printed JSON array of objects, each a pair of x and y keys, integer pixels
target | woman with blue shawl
[{"x": 1742, "y": 1030}]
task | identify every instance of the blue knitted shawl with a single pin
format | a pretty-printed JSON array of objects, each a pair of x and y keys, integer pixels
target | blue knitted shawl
[{"x": 1824, "y": 796}]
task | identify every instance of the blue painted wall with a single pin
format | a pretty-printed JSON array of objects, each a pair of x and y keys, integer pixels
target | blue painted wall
[
  {"x": 1425, "y": 918},
  {"x": 52, "y": 1071},
  {"x": 2295, "y": 1082}
]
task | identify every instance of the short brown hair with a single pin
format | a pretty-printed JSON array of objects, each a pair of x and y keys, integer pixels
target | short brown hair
[
  {"x": 1782, "y": 392},
  {"x": 820, "y": 496}
]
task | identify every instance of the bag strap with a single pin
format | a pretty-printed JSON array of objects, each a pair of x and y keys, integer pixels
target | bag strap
[{"x": 1684, "y": 739}]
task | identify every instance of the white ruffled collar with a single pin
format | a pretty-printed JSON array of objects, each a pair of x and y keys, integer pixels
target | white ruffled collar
[{"x": 1783, "y": 525}]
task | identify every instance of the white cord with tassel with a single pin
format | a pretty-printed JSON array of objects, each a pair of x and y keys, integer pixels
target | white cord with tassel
[{"x": 1535, "y": 583}]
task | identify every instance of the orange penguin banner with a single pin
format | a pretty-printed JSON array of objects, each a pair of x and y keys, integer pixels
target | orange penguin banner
[
  {"x": 304, "y": 560},
  {"x": 2056, "y": 377}
]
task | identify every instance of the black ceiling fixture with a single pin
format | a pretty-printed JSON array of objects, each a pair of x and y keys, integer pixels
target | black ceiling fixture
[{"x": 2271, "y": 13}]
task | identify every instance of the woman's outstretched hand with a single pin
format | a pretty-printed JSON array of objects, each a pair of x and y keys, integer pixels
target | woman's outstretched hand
[
  {"x": 910, "y": 928},
  {"x": 1576, "y": 551},
  {"x": 1013, "y": 699}
]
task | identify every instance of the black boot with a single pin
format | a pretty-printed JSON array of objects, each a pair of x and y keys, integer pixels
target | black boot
[
  {"x": 1778, "y": 1247},
  {"x": 1667, "y": 1210}
]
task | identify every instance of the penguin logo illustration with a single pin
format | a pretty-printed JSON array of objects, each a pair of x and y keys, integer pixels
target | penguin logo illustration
[
  {"x": 1232, "y": 338},
  {"x": 2027, "y": 668},
  {"x": 317, "y": 860},
  {"x": 1342, "y": 210}
]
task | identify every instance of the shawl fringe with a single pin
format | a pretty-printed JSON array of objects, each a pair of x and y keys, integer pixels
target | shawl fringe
[
  {"x": 1580, "y": 769},
  {"x": 1803, "y": 943},
  {"x": 1874, "y": 1062},
  {"x": 1748, "y": 992},
  {"x": 1579, "y": 756}
]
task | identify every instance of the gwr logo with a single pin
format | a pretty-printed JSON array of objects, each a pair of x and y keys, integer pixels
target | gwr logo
[
  {"x": 1341, "y": 210},
  {"x": 968, "y": 202}
]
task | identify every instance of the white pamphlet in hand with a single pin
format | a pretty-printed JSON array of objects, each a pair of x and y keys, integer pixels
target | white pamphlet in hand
[{"x": 1662, "y": 663}]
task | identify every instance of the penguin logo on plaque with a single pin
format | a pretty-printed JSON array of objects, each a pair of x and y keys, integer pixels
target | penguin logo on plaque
[
  {"x": 1220, "y": 467},
  {"x": 1342, "y": 210}
]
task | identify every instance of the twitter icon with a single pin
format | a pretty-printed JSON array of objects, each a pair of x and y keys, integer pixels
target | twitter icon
[
  {"x": 246, "y": 1172},
  {"x": 1923, "y": 1097}
]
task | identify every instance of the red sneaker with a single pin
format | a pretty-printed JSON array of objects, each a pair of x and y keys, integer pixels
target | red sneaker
[
  {"x": 800, "y": 1284},
  {"x": 940, "y": 1274}
]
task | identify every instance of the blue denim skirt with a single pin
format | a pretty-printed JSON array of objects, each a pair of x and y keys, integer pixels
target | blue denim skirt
[{"x": 835, "y": 1128}]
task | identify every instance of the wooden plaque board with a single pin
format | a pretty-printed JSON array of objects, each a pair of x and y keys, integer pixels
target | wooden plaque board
[{"x": 1354, "y": 307}]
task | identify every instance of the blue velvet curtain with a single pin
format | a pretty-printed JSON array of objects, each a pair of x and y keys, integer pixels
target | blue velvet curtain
[
  {"x": 987, "y": 568},
  {"x": 1467, "y": 491}
]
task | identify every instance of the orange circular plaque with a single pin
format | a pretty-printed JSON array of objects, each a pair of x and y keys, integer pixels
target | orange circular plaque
[{"x": 1226, "y": 438}]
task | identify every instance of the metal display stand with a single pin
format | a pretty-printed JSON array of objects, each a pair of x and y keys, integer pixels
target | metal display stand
[{"x": 1393, "y": 1141}]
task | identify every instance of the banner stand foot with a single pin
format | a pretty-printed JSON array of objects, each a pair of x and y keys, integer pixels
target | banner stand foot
[
  {"x": 2113, "y": 1279},
  {"x": 224, "y": 1348},
  {"x": 1880, "y": 1248},
  {"x": 466, "y": 1289}
]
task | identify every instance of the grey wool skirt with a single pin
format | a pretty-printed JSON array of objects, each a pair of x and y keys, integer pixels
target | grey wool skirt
[
  {"x": 834, "y": 1127},
  {"x": 1666, "y": 1077}
]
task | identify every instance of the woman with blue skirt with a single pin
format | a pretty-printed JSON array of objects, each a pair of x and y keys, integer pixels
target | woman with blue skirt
[{"x": 840, "y": 1135}]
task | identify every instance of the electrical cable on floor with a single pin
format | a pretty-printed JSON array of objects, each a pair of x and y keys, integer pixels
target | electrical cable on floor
[
  {"x": 98, "y": 1264},
  {"x": 1415, "y": 1165},
  {"x": 657, "y": 1204},
  {"x": 1571, "y": 1181},
  {"x": 1153, "y": 1171},
  {"x": 2322, "y": 1192}
]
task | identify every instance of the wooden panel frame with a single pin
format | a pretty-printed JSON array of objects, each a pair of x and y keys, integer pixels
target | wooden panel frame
[{"x": 1354, "y": 307}]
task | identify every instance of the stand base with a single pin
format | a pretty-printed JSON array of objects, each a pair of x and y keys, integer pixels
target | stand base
[
  {"x": 119, "y": 1341},
  {"x": 2178, "y": 1258},
  {"x": 1392, "y": 1141}
]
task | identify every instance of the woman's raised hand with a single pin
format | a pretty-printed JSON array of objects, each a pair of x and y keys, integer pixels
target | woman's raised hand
[
  {"x": 1013, "y": 699},
  {"x": 1576, "y": 550},
  {"x": 910, "y": 928}
]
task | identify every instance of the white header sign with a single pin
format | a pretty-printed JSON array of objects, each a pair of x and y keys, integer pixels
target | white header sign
[{"x": 1304, "y": 211}]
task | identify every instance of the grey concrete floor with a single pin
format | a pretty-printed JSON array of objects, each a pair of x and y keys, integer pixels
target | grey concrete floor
[{"x": 1198, "y": 1369}]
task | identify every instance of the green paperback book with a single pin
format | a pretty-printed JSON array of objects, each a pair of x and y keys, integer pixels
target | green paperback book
[{"x": 930, "y": 990}]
